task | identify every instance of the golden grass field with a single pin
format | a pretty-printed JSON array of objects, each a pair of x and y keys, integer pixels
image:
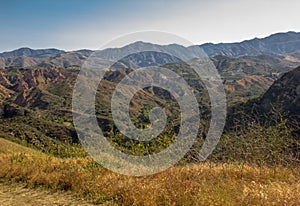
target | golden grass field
[{"x": 193, "y": 184}]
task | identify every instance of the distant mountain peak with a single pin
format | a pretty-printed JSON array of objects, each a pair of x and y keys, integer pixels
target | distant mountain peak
[
  {"x": 28, "y": 52},
  {"x": 148, "y": 44},
  {"x": 278, "y": 44}
]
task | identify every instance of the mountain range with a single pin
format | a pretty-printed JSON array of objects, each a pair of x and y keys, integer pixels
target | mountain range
[
  {"x": 36, "y": 85},
  {"x": 279, "y": 44},
  {"x": 248, "y": 67},
  {"x": 276, "y": 44}
]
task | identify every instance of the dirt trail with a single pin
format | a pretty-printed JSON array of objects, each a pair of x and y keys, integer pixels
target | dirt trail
[{"x": 19, "y": 195}]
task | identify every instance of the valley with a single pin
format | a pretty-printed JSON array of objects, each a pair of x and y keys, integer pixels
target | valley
[{"x": 254, "y": 163}]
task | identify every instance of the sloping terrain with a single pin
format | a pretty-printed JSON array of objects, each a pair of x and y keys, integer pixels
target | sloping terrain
[
  {"x": 69, "y": 179},
  {"x": 36, "y": 103},
  {"x": 36, "y": 89},
  {"x": 284, "y": 95},
  {"x": 278, "y": 44},
  {"x": 14, "y": 193},
  {"x": 38, "y": 107},
  {"x": 17, "y": 194},
  {"x": 265, "y": 58},
  {"x": 280, "y": 101}
]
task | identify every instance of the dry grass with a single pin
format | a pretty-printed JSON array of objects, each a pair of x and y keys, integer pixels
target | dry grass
[
  {"x": 18, "y": 194},
  {"x": 198, "y": 184}
]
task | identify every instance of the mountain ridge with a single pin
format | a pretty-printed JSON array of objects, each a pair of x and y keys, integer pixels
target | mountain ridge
[
  {"x": 269, "y": 45},
  {"x": 37, "y": 53},
  {"x": 280, "y": 101}
]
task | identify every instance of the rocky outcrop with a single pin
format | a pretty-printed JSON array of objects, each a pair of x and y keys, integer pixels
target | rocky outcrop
[{"x": 24, "y": 87}]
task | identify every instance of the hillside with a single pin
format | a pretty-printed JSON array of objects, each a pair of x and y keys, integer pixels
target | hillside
[
  {"x": 277, "y": 44},
  {"x": 39, "y": 99},
  {"x": 280, "y": 101},
  {"x": 35, "y": 104},
  {"x": 239, "y": 64},
  {"x": 74, "y": 181},
  {"x": 19, "y": 194},
  {"x": 284, "y": 95}
]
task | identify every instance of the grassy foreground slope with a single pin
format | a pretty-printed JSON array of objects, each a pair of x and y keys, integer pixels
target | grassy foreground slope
[
  {"x": 18, "y": 194},
  {"x": 194, "y": 184}
]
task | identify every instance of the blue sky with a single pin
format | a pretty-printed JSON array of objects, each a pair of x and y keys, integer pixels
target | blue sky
[{"x": 76, "y": 24}]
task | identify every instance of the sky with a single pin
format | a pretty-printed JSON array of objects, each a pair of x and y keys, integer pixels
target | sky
[{"x": 89, "y": 24}]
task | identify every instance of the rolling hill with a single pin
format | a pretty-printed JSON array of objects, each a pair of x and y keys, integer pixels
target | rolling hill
[
  {"x": 280, "y": 101},
  {"x": 36, "y": 87}
]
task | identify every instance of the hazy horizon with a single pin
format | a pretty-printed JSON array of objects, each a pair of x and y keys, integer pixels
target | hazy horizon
[
  {"x": 74, "y": 25},
  {"x": 66, "y": 50}
]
